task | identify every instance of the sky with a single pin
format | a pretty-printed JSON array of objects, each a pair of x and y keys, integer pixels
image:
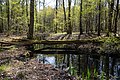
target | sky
[
  {"x": 48, "y": 3},
  {"x": 52, "y": 3}
]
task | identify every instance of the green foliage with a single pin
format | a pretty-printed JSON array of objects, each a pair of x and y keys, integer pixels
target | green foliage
[
  {"x": 110, "y": 45},
  {"x": 75, "y": 18},
  {"x": 88, "y": 74},
  {"x": 95, "y": 73},
  {"x": 83, "y": 76},
  {"x": 92, "y": 75},
  {"x": 110, "y": 40},
  {"x": 19, "y": 17},
  {"x": 102, "y": 76},
  {"x": 72, "y": 70}
]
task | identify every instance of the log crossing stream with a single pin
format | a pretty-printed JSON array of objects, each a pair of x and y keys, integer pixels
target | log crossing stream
[
  {"x": 49, "y": 42},
  {"x": 82, "y": 48}
]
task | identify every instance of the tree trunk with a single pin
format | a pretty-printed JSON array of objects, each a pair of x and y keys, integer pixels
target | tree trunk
[
  {"x": 73, "y": 16},
  {"x": 56, "y": 16},
  {"x": 105, "y": 13},
  {"x": 89, "y": 22},
  {"x": 39, "y": 16},
  {"x": 1, "y": 18},
  {"x": 116, "y": 17},
  {"x": 36, "y": 14},
  {"x": 8, "y": 17},
  {"x": 99, "y": 25},
  {"x": 65, "y": 27},
  {"x": 27, "y": 14},
  {"x": 80, "y": 25},
  {"x": 44, "y": 15},
  {"x": 86, "y": 25},
  {"x": 31, "y": 27},
  {"x": 69, "y": 30},
  {"x": 96, "y": 21},
  {"x": 27, "y": 9},
  {"x": 23, "y": 7},
  {"x": 110, "y": 13}
]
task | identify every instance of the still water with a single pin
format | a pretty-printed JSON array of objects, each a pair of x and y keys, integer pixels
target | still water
[{"x": 88, "y": 67}]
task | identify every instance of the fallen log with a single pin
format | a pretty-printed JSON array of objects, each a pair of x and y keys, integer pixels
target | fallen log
[{"x": 51, "y": 42}]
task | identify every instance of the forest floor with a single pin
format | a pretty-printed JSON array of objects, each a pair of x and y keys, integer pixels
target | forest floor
[
  {"x": 74, "y": 36},
  {"x": 14, "y": 65}
]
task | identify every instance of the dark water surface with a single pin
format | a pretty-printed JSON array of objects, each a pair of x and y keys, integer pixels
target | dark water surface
[{"x": 85, "y": 66}]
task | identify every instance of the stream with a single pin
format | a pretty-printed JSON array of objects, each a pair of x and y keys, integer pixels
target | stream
[{"x": 85, "y": 66}]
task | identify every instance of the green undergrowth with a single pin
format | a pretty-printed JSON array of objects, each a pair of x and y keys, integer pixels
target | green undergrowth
[
  {"x": 4, "y": 67},
  {"x": 110, "y": 45},
  {"x": 109, "y": 39}
]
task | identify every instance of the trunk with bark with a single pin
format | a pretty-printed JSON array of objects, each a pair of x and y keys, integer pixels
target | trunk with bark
[
  {"x": 65, "y": 24},
  {"x": 69, "y": 30},
  {"x": 31, "y": 26},
  {"x": 81, "y": 31}
]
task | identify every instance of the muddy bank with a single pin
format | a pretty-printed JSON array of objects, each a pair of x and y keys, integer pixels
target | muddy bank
[{"x": 20, "y": 67}]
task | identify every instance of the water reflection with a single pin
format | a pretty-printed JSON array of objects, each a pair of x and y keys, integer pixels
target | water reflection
[
  {"x": 46, "y": 59},
  {"x": 87, "y": 66}
]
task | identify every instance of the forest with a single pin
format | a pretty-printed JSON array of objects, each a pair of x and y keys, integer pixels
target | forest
[{"x": 59, "y": 39}]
